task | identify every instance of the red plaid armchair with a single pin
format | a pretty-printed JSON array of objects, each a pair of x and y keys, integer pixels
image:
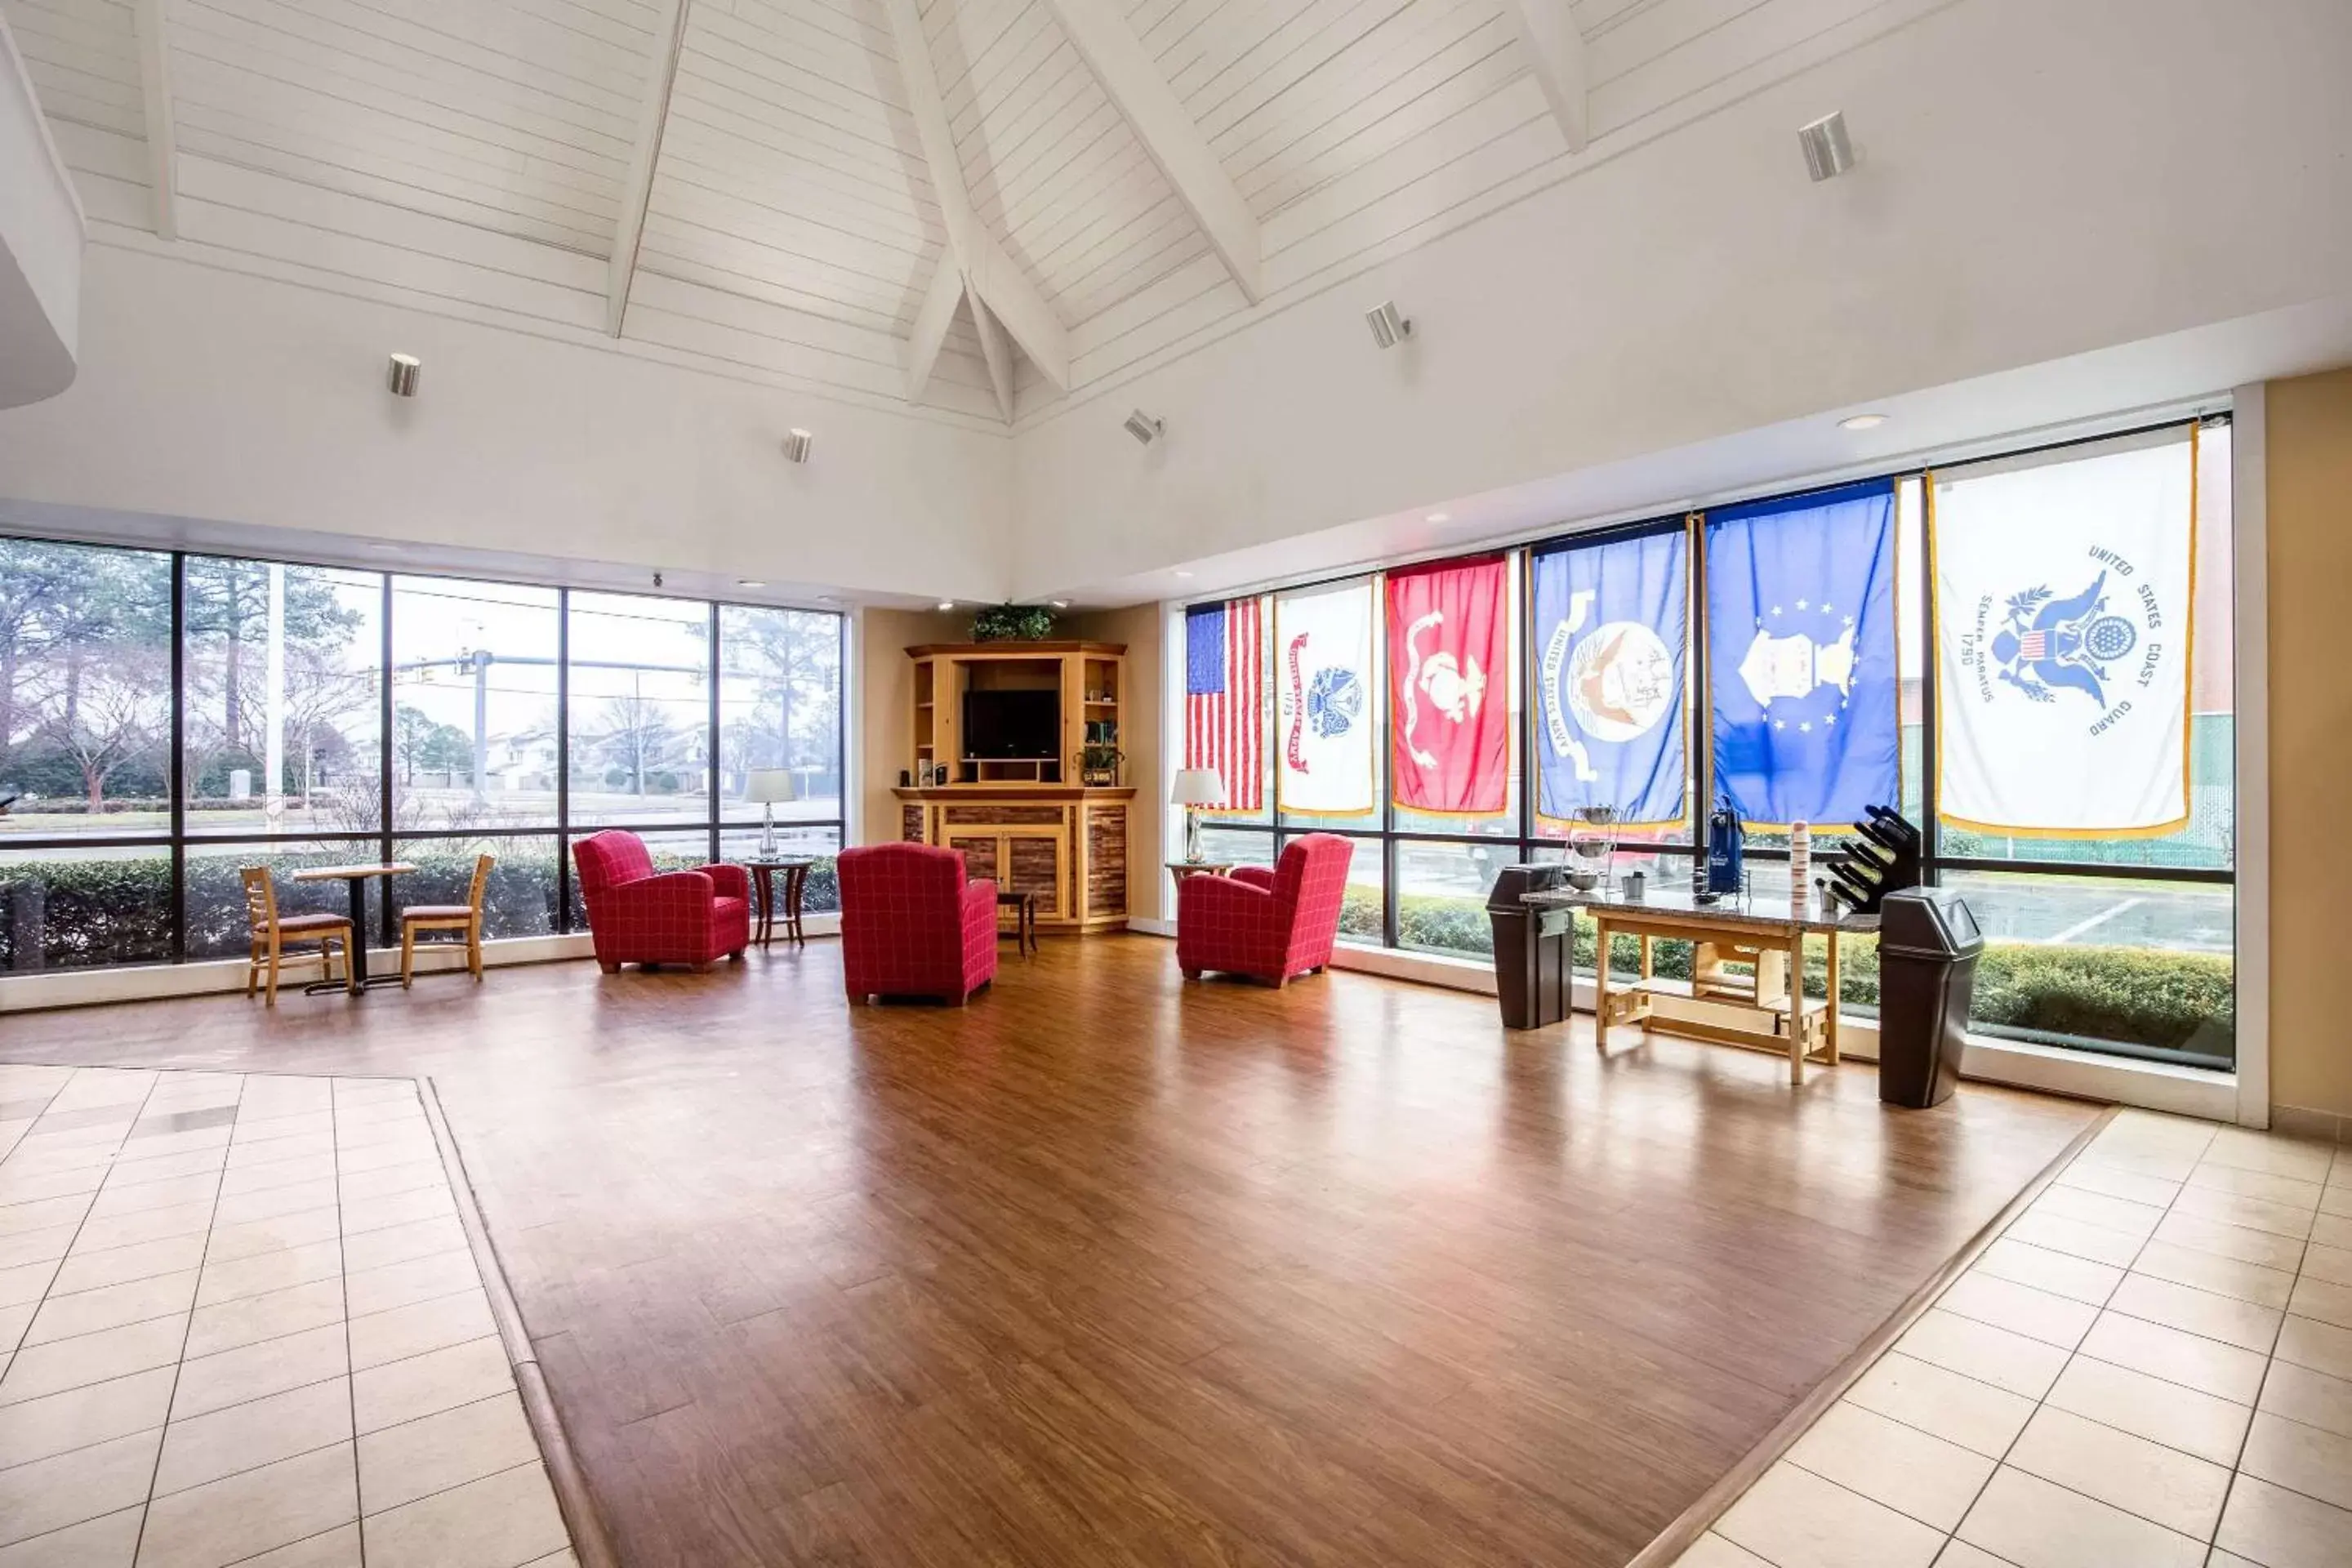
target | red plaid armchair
[
  {"x": 679, "y": 917},
  {"x": 1269, "y": 925},
  {"x": 911, "y": 925}
]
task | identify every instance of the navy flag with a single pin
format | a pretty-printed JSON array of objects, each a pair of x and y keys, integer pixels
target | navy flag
[
  {"x": 1612, "y": 643},
  {"x": 1800, "y": 656}
]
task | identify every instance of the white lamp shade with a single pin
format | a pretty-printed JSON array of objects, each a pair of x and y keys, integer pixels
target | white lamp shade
[
  {"x": 765, "y": 786},
  {"x": 1197, "y": 787}
]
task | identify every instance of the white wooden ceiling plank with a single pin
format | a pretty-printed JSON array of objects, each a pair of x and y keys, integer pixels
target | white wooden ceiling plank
[
  {"x": 316, "y": 73},
  {"x": 1079, "y": 203},
  {"x": 1159, "y": 120},
  {"x": 784, "y": 260},
  {"x": 469, "y": 84},
  {"x": 783, "y": 38},
  {"x": 847, "y": 19},
  {"x": 1145, "y": 268},
  {"x": 1655, "y": 31},
  {"x": 73, "y": 99},
  {"x": 955, "y": 35},
  {"x": 1081, "y": 150},
  {"x": 500, "y": 45},
  {"x": 1326, "y": 31},
  {"x": 485, "y": 204},
  {"x": 1180, "y": 39},
  {"x": 1139, "y": 253},
  {"x": 796, "y": 232},
  {"x": 1235, "y": 27},
  {"x": 1465, "y": 119},
  {"x": 766, "y": 177},
  {"x": 849, "y": 83},
  {"x": 876, "y": 344},
  {"x": 734, "y": 344},
  {"x": 1362, "y": 132},
  {"x": 1036, "y": 64},
  {"x": 711, "y": 275},
  {"x": 784, "y": 126},
  {"x": 625, "y": 38},
  {"x": 1020, "y": 132},
  {"x": 85, "y": 43},
  {"x": 991, "y": 73},
  {"x": 861, "y": 131},
  {"x": 988, "y": 272},
  {"x": 1370, "y": 64}
]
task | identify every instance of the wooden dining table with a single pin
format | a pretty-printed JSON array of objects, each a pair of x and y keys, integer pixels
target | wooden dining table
[{"x": 357, "y": 877}]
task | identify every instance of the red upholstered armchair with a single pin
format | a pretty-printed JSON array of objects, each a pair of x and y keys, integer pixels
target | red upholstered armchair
[
  {"x": 1269, "y": 925},
  {"x": 911, "y": 925},
  {"x": 678, "y": 917}
]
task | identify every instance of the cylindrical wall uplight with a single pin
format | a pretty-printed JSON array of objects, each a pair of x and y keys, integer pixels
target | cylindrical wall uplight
[{"x": 401, "y": 377}]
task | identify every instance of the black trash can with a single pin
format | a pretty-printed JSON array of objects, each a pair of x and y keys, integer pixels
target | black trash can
[
  {"x": 1535, "y": 950},
  {"x": 1927, "y": 947}
]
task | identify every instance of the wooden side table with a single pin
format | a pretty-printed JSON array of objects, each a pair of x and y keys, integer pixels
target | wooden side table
[
  {"x": 1024, "y": 918},
  {"x": 1180, "y": 869},
  {"x": 763, "y": 886}
]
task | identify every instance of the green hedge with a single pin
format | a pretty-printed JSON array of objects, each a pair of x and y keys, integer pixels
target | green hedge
[
  {"x": 119, "y": 911},
  {"x": 2148, "y": 997}
]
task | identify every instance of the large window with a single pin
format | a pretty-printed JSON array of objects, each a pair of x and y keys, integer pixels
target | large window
[
  {"x": 311, "y": 715},
  {"x": 2116, "y": 943}
]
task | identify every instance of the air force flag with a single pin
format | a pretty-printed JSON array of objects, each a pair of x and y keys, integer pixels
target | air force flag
[
  {"x": 2062, "y": 645},
  {"x": 1612, "y": 630},
  {"x": 1800, "y": 655}
]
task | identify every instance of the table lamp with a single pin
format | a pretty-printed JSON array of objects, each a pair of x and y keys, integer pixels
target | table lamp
[
  {"x": 766, "y": 786},
  {"x": 1194, "y": 788}
]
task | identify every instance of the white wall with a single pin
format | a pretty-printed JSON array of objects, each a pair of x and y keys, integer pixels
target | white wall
[
  {"x": 40, "y": 245},
  {"x": 211, "y": 394},
  {"x": 2040, "y": 179}
]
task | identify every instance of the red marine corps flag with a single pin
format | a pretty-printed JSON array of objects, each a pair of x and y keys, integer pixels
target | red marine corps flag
[{"x": 1449, "y": 699}]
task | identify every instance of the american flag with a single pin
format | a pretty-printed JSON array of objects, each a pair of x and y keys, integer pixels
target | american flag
[{"x": 1225, "y": 698}]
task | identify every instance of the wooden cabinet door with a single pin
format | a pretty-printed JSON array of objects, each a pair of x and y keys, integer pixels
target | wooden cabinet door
[
  {"x": 982, "y": 850},
  {"x": 1035, "y": 862}
]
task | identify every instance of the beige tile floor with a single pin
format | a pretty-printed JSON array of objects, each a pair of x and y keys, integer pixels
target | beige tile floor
[
  {"x": 2152, "y": 1367},
  {"x": 240, "y": 1323}
]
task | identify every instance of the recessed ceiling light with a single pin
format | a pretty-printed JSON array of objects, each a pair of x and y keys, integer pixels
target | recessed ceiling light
[
  {"x": 1439, "y": 517},
  {"x": 389, "y": 548},
  {"x": 1061, "y": 603},
  {"x": 947, "y": 604},
  {"x": 1862, "y": 422},
  {"x": 749, "y": 583},
  {"x": 1182, "y": 573},
  {"x": 828, "y": 599}
]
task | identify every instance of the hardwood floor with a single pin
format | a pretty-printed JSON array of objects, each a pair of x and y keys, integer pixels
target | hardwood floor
[{"x": 1108, "y": 1268}]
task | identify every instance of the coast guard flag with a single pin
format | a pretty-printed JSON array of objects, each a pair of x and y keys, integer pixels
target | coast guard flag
[
  {"x": 1323, "y": 671},
  {"x": 1225, "y": 698},
  {"x": 1449, "y": 687},
  {"x": 1800, "y": 656},
  {"x": 1612, "y": 643},
  {"x": 2062, "y": 637}
]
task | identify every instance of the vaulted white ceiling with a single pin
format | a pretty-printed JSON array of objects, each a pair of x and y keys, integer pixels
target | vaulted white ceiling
[{"x": 1037, "y": 197}]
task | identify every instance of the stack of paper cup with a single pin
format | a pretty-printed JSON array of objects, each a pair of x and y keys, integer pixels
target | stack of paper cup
[{"x": 1801, "y": 868}]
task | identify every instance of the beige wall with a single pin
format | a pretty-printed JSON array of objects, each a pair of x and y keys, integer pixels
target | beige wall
[
  {"x": 1137, "y": 626},
  {"x": 888, "y": 697},
  {"x": 2310, "y": 520},
  {"x": 886, "y": 706}
]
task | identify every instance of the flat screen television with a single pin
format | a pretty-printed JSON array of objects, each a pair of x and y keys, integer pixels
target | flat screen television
[{"x": 1004, "y": 726}]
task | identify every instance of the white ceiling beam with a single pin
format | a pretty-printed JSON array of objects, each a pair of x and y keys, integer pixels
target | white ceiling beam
[
  {"x": 162, "y": 134},
  {"x": 994, "y": 349},
  {"x": 1098, "y": 29},
  {"x": 1555, "y": 51},
  {"x": 652, "y": 116},
  {"x": 931, "y": 324},
  {"x": 988, "y": 272}
]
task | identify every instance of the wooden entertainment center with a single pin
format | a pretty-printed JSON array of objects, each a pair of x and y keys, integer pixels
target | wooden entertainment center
[{"x": 1038, "y": 822}]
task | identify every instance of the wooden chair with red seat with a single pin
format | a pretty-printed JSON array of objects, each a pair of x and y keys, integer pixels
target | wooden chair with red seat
[
  {"x": 1269, "y": 925},
  {"x": 278, "y": 940},
  {"x": 415, "y": 920},
  {"x": 675, "y": 917}
]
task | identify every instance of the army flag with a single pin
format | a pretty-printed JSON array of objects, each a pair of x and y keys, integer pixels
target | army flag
[
  {"x": 1324, "y": 724},
  {"x": 2063, "y": 587},
  {"x": 1612, "y": 642},
  {"x": 1449, "y": 691},
  {"x": 1800, "y": 656}
]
